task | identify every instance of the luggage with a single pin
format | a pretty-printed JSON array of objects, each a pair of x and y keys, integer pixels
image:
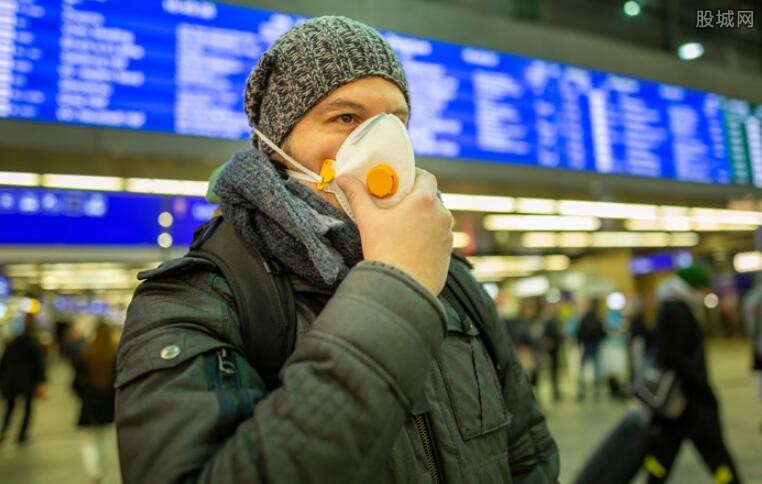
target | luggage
[{"x": 618, "y": 459}]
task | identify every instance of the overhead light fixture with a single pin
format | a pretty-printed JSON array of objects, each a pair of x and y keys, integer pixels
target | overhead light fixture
[
  {"x": 499, "y": 276},
  {"x": 607, "y": 209},
  {"x": 685, "y": 239},
  {"x": 564, "y": 240},
  {"x": 79, "y": 182},
  {"x": 670, "y": 224},
  {"x": 632, "y": 8},
  {"x": 539, "y": 240},
  {"x": 574, "y": 240},
  {"x": 557, "y": 262},
  {"x": 527, "y": 223},
  {"x": 748, "y": 261},
  {"x": 460, "y": 240},
  {"x": 477, "y": 203},
  {"x": 630, "y": 239},
  {"x": 723, "y": 216},
  {"x": 715, "y": 227},
  {"x": 690, "y": 51},
  {"x": 542, "y": 206},
  {"x": 19, "y": 179},
  {"x": 514, "y": 264},
  {"x": 502, "y": 264},
  {"x": 167, "y": 187},
  {"x": 531, "y": 287}
]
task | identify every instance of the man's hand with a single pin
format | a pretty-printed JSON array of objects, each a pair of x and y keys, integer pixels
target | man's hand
[{"x": 415, "y": 235}]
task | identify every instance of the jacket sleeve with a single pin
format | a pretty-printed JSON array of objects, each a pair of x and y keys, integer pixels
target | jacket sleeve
[
  {"x": 345, "y": 390},
  {"x": 533, "y": 454}
]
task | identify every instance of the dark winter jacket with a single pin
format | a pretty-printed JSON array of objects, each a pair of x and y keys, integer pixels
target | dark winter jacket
[
  {"x": 22, "y": 367},
  {"x": 386, "y": 384},
  {"x": 678, "y": 342}
]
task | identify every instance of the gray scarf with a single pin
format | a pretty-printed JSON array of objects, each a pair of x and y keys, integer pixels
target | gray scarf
[{"x": 287, "y": 221}]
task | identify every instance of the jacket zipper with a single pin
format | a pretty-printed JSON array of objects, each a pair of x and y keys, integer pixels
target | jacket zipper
[{"x": 428, "y": 448}]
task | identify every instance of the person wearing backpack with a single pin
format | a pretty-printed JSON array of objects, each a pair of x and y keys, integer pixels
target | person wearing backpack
[
  {"x": 678, "y": 346},
  {"x": 320, "y": 330}
]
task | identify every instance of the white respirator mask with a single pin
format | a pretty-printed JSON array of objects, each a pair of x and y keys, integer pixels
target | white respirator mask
[{"x": 378, "y": 152}]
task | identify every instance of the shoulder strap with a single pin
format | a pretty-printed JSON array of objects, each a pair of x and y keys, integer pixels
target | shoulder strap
[
  {"x": 464, "y": 293},
  {"x": 264, "y": 300}
]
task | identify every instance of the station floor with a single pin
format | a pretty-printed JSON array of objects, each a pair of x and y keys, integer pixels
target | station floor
[{"x": 52, "y": 454}]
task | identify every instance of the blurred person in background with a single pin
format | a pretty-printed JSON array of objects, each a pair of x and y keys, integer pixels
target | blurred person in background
[
  {"x": 752, "y": 306},
  {"x": 94, "y": 384},
  {"x": 22, "y": 375},
  {"x": 639, "y": 337},
  {"x": 590, "y": 335},
  {"x": 613, "y": 353},
  {"x": 552, "y": 338},
  {"x": 678, "y": 345},
  {"x": 523, "y": 330}
]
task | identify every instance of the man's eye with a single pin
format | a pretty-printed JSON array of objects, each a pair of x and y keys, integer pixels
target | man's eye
[{"x": 345, "y": 118}]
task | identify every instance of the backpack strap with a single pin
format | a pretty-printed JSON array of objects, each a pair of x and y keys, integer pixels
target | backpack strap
[
  {"x": 465, "y": 295},
  {"x": 268, "y": 330}
]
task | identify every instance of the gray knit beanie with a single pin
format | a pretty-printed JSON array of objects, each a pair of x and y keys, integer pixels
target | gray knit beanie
[{"x": 309, "y": 62}]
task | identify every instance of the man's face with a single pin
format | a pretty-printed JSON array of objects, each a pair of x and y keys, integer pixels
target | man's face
[{"x": 321, "y": 131}]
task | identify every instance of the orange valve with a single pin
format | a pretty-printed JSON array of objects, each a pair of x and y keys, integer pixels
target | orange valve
[
  {"x": 327, "y": 173},
  {"x": 382, "y": 181}
]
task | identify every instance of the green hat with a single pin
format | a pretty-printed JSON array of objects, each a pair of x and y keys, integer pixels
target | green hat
[{"x": 696, "y": 276}]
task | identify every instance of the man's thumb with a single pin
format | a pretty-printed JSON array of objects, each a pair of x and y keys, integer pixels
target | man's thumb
[{"x": 355, "y": 192}]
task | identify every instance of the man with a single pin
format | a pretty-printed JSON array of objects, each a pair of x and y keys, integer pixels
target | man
[
  {"x": 590, "y": 336},
  {"x": 22, "y": 374},
  {"x": 678, "y": 346},
  {"x": 386, "y": 383}
]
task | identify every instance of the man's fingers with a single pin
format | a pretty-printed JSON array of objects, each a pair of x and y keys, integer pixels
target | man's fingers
[{"x": 358, "y": 197}]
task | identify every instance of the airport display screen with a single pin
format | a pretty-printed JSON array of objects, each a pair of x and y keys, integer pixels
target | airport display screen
[
  {"x": 44, "y": 217},
  {"x": 179, "y": 66}
]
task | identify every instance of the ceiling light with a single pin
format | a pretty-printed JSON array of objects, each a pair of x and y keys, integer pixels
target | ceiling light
[
  {"x": 573, "y": 240},
  {"x": 631, "y": 8},
  {"x": 540, "y": 222},
  {"x": 536, "y": 240},
  {"x": 630, "y": 239},
  {"x": 78, "y": 182},
  {"x": 556, "y": 262},
  {"x": 686, "y": 239},
  {"x": 690, "y": 51},
  {"x": 531, "y": 286},
  {"x": 477, "y": 203},
  {"x": 19, "y": 179},
  {"x": 167, "y": 187},
  {"x": 545, "y": 206},
  {"x": 722, "y": 216},
  {"x": 748, "y": 261},
  {"x": 460, "y": 240},
  {"x": 607, "y": 209}
]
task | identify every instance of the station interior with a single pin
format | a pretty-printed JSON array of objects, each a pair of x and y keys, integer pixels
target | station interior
[{"x": 588, "y": 150}]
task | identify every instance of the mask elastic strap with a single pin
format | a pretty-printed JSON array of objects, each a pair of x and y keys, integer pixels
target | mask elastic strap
[{"x": 305, "y": 174}]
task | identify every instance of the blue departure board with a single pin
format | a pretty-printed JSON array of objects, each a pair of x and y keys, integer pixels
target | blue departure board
[
  {"x": 179, "y": 66},
  {"x": 41, "y": 216}
]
